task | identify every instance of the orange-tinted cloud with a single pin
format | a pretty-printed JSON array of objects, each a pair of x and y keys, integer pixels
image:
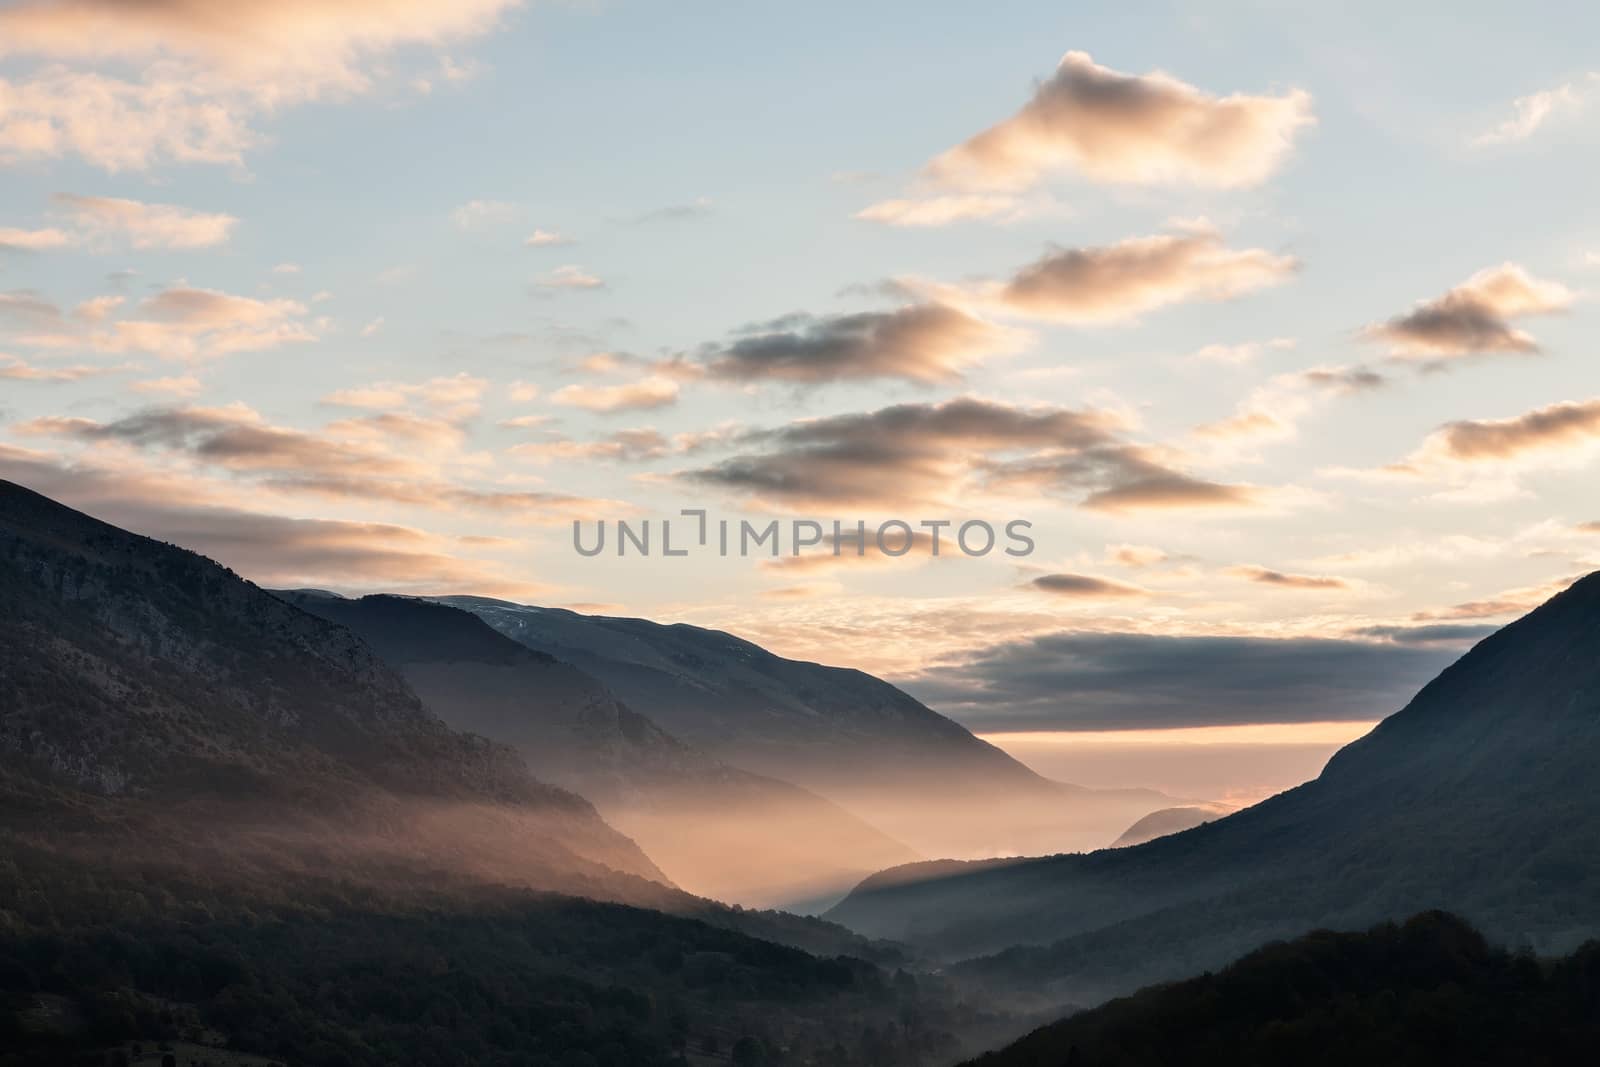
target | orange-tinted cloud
[
  {"x": 916, "y": 454},
  {"x": 1121, "y": 128},
  {"x": 1282, "y": 580},
  {"x": 919, "y": 342},
  {"x": 1118, "y": 282},
  {"x": 1475, "y": 317},
  {"x": 653, "y": 391}
]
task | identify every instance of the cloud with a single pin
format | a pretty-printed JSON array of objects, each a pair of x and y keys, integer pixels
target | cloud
[
  {"x": 1086, "y": 587},
  {"x": 122, "y": 125},
  {"x": 569, "y": 276},
  {"x": 205, "y": 79},
  {"x": 1244, "y": 352},
  {"x": 941, "y": 210},
  {"x": 13, "y": 239},
  {"x": 698, "y": 208},
  {"x": 457, "y": 396},
  {"x": 1288, "y": 581},
  {"x": 180, "y": 322},
  {"x": 1437, "y": 634},
  {"x": 654, "y": 391},
  {"x": 1509, "y": 602},
  {"x": 16, "y": 370},
  {"x": 1474, "y": 317},
  {"x": 1272, "y": 411},
  {"x": 1115, "y": 681},
  {"x": 344, "y": 461},
  {"x": 546, "y": 239},
  {"x": 955, "y": 451},
  {"x": 107, "y": 219},
  {"x": 921, "y": 342},
  {"x": 273, "y": 550},
  {"x": 1136, "y": 555},
  {"x": 1531, "y": 113},
  {"x": 850, "y": 551},
  {"x": 1116, "y": 283},
  {"x": 186, "y": 385},
  {"x": 1555, "y": 428},
  {"x": 1129, "y": 129},
  {"x": 480, "y": 214},
  {"x": 626, "y": 446}
]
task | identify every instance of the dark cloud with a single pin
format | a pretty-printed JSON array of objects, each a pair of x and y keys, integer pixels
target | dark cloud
[
  {"x": 1439, "y": 634},
  {"x": 1116, "y": 681},
  {"x": 272, "y": 550},
  {"x": 929, "y": 453},
  {"x": 1474, "y": 317},
  {"x": 922, "y": 343},
  {"x": 1289, "y": 581},
  {"x": 1085, "y": 586}
]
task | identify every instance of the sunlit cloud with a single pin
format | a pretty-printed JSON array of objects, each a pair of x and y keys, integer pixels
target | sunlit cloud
[
  {"x": 920, "y": 342},
  {"x": 180, "y": 322},
  {"x": 654, "y": 391},
  {"x": 569, "y": 276},
  {"x": 107, "y": 220},
  {"x": 962, "y": 449},
  {"x": 1281, "y": 580},
  {"x": 1136, "y": 129},
  {"x": 206, "y": 79},
  {"x": 1535, "y": 111},
  {"x": 942, "y": 210},
  {"x": 1475, "y": 317},
  {"x": 1118, "y": 282}
]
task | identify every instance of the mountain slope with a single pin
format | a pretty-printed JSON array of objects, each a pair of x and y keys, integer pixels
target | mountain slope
[
  {"x": 853, "y": 738},
  {"x": 1474, "y": 798},
  {"x": 716, "y": 830},
  {"x": 1429, "y": 992},
  {"x": 1164, "y": 822},
  {"x": 141, "y": 683}
]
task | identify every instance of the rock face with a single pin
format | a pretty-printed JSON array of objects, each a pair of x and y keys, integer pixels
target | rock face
[
  {"x": 1477, "y": 798},
  {"x": 855, "y": 739},
  {"x": 223, "y": 718},
  {"x": 715, "y": 829}
]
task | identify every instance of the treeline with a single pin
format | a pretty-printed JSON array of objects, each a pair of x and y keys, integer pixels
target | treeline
[
  {"x": 1429, "y": 992},
  {"x": 318, "y": 976}
]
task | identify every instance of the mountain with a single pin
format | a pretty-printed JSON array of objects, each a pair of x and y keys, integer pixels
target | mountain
[
  {"x": 1429, "y": 993},
  {"x": 141, "y": 682},
  {"x": 226, "y": 823},
  {"x": 1476, "y": 798},
  {"x": 850, "y": 737},
  {"x": 714, "y": 829},
  {"x": 1164, "y": 822}
]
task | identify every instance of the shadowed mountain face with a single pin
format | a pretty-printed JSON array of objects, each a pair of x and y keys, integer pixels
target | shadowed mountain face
[
  {"x": 714, "y": 829},
  {"x": 1477, "y": 798},
  {"x": 853, "y": 738},
  {"x": 144, "y": 684},
  {"x": 1430, "y": 992},
  {"x": 223, "y": 816},
  {"x": 1164, "y": 822}
]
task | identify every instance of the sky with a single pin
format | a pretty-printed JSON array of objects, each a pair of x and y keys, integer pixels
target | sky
[{"x": 1273, "y": 323}]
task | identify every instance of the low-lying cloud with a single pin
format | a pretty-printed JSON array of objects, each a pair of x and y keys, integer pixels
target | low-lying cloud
[{"x": 1121, "y": 681}]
